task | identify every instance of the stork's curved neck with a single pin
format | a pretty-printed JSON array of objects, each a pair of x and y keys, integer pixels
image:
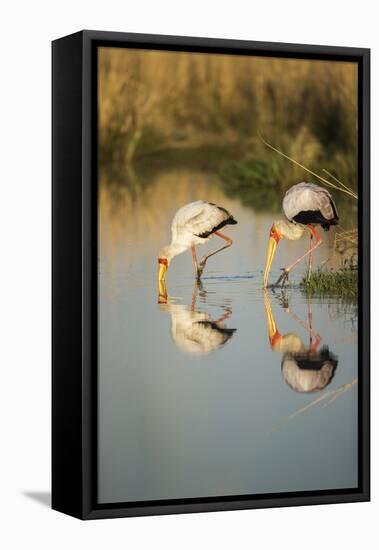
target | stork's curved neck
[
  {"x": 289, "y": 230},
  {"x": 173, "y": 249}
]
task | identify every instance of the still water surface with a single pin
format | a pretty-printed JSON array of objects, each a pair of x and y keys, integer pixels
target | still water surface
[{"x": 219, "y": 389}]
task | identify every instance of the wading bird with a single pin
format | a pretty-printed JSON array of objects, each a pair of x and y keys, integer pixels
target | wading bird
[
  {"x": 305, "y": 368},
  {"x": 304, "y": 206},
  {"x": 195, "y": 332},
  {"x": 193, "y": 224}
]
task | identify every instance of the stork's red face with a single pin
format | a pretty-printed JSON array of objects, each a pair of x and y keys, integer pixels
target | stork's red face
[
  {"x": 274, "y": 238},
  {"x": 275, "y": 234}
]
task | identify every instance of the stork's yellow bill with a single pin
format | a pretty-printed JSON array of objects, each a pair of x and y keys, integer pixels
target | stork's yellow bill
[
  {"x": 163, "y": 265},
  {"x": 274, "y": 238}
]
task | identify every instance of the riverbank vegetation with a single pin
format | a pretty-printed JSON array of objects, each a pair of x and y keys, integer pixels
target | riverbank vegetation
[
  {"x": 154, "y": 102},
  {"x": 342, "y": 283}
]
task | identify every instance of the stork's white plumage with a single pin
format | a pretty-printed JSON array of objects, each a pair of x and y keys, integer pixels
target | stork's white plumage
[
  {"x": 308, "y": 203},
  {"x": 304, "y": 205},
  {"x": 194, "y": 224},
  {"x": 305, "y": 368},
  {"x": 308, "y": 372},
  {"x": 195, "y": 332}
]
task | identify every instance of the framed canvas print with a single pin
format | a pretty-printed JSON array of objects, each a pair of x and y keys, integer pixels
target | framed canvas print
[{"x": 210, "y": 275}]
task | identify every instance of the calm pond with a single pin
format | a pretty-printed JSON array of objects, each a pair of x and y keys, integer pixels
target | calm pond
[{"x": 220, "y": 389}]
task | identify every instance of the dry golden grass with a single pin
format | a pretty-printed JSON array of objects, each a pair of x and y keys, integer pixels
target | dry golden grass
[
  {"x": 337, "y": 184},
  {"x": 149, "y": 100}
]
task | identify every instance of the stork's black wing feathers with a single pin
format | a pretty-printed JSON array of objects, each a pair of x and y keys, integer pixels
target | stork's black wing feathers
[
  {"x": 229, "y": 221},
  {"x": 315, "y": 217}
]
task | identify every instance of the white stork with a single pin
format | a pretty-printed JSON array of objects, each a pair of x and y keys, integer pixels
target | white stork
[
  {"x": 305, "y": 369},
  {"x": 309, "y": 371},
  {"x": 304, "y": 206},
  {"x": 195, "y": 332},
  {"x": 193, "y": 224}
]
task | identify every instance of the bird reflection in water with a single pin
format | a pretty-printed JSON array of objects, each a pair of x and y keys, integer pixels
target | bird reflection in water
[
  {"x": 305, "y": 367},
  {"x": 193, "y": 331}
]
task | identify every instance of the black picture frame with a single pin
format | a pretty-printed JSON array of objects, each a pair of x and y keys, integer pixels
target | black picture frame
[{"x": 74, "y": 272}]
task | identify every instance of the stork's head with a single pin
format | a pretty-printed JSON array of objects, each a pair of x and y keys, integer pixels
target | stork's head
[{"x": 275, "y": 236}]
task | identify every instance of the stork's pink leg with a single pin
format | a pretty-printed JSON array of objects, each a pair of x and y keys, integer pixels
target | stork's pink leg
[
  {"x": 225, "y": 316},
  {"x": 313, "y": 345},
  {"x": 196, "y": 289},
  {"x": 195, "y": 261},
  {"x": 205, "y": 258},
  {"x": 310, "y": 318},
  {"x": 309, "y": 270},
  {"x": 314, "y": 337},
  {"x": 284, "y": 275}
]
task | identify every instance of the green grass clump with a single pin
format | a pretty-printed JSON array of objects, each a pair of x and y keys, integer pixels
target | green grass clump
[{"x": 342, "y": 283}]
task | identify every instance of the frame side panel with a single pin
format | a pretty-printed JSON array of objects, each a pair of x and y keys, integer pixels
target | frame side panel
[
  {"x": 67, "y": 275},
  {"x": 364, "y": 288}
]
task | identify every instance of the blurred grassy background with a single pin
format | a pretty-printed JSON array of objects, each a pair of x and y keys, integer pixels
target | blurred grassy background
[{"x": 161, "y": 108}]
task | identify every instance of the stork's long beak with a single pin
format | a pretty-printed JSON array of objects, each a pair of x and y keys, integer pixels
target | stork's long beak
[
  {"x": 271, "y": 326},
  {"x": 271, "y": 249},
  {"x": 163, "y": 264},
  {"x": 273, "y": 335},
  {"x": 162, "y": 272},
  {"x": 162, "y": 297}
]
